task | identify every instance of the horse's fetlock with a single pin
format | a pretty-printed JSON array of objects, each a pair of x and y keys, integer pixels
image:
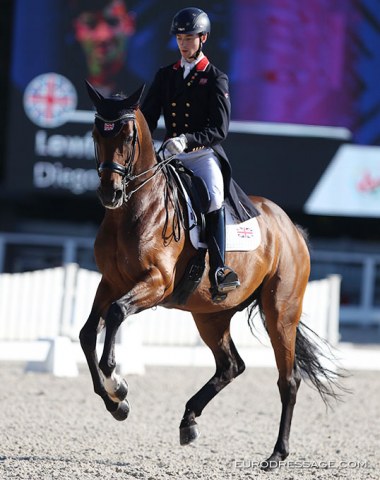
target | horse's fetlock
[{"x": 107, "y": 368}]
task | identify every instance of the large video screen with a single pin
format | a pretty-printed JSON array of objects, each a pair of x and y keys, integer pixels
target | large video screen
[{"x": 287, "y": 61}]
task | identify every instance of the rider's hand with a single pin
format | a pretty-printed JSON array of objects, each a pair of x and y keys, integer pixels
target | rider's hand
[{"x": 174, "y": 146}]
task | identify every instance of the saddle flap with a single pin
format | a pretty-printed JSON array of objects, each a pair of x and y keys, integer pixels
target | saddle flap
[{"x": 195, "y": 187}]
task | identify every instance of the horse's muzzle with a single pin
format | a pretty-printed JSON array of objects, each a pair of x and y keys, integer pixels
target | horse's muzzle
[{"x": 111, "y": 197}]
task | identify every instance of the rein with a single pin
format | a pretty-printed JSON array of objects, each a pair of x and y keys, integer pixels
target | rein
[{"x": 125, "y": 171}]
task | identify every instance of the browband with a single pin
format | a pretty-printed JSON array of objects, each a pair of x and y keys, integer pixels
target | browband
[{"x": 130, "y": 115}]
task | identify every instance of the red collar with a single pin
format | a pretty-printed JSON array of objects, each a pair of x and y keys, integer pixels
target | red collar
[{"x": 200, "y": 66}]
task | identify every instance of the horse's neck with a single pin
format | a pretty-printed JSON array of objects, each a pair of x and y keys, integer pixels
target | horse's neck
[
  {"x": 148, "y": 187},
  {"x": 153, "y": 207}
]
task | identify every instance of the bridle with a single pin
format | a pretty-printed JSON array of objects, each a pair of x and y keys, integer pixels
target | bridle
[{"x": 125, "y": 171}]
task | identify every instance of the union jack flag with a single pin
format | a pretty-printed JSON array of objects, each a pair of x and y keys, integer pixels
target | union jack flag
[
  {"x": 48, "y": 98},
  {"x": 245, "y": 232}
]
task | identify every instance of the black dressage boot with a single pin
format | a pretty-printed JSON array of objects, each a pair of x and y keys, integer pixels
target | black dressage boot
[{"x": 222, "y": 278}]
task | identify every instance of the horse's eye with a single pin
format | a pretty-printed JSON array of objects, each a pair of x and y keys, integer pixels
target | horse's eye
[{"x": 128, "y": 138}]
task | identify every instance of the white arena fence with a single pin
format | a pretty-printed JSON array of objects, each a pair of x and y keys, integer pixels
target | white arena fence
[{"x": 42, "y": 312}]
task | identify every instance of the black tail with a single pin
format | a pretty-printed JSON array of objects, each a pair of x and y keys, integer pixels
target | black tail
[
  {"x": 311, "y": 353},
  {"x": 310, "y": 357}
]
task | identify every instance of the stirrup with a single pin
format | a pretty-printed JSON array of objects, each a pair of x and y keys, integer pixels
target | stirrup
[
  {"x": 216, "y": 296},
  {"x": 226, "y": 279}
]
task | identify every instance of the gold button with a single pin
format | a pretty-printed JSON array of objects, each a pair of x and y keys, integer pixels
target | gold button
[
  {"x": 187, "y": 104},
  {"x": 187, "y": 115},
  {"x": 174, "y": 124},
  {"x": 188, "y": 84},
  {"x": 174, "y": 104},
  {"x": 173, "y": 114},
  {"x": 174, "y": 134},
  {"x": 186, "y": 125}
]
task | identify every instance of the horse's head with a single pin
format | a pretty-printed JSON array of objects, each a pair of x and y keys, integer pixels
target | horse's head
[{"x": 115, "y": 137}]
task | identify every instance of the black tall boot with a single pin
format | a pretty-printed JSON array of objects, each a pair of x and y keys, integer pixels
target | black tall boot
[{"x": 222, "y": 278}]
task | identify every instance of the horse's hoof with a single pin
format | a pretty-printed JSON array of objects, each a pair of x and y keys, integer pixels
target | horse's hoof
[
  {"x": 273, "y": 462},
  {"x": 122, "y": 392},
  {"x": 122, "y": 411},
  {"x": 269, "y": 465},
  {"x": 188, "y": 434}
]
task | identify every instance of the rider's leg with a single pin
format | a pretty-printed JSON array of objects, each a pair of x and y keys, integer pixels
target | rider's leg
[
  {"x": 222, "y": 278},
  {"x": 206, "y": 165}
]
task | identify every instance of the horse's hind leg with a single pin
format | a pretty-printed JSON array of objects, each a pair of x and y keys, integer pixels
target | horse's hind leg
[
  {"x": 282, "y": 307},
  {"x": 215, "y": 332}
]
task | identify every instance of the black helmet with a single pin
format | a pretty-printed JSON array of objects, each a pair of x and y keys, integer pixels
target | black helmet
[{"x": 190, "y": 20}]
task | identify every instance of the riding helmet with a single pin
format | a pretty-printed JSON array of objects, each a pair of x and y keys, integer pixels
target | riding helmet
[{"x": 190, "y": 20}]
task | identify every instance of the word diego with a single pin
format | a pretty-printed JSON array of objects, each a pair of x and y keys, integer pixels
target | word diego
[
  {"x": 55, "y": 175},
  {"x": 247, "y": 464}
]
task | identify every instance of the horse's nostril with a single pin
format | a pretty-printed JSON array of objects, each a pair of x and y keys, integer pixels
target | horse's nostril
[{"x": 118, "y": 194}]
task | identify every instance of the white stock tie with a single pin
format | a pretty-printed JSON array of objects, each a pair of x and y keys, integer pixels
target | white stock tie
[{"x": 186, "y": 69}]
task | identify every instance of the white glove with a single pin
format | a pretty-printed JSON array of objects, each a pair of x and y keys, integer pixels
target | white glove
[{"x": 174, "y": 146}]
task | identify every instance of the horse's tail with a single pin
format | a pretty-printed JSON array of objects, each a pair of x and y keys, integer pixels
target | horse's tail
[
  {"x": 314, "y": 358},
  {"x": 317, "y": 363}
]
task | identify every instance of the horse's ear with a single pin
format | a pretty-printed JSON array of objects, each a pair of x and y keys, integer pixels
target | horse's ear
[
  {"x": 134, "y": 100},
  {"x": 95, "y": 96}
]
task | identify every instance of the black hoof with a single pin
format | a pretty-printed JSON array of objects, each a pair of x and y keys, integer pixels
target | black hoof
[
  {"x": 188, "y": 434},
  {"x": 122, "y": 411},
  {"x": 273, "y": 462},
  {"x": 122, "y": 392}
]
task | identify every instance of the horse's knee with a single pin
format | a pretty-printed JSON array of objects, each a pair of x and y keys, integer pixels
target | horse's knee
[{"x": 115, "y": 315}]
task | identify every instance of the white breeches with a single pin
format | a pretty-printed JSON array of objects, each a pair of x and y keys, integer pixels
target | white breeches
[{"x": 205, "y": 164}]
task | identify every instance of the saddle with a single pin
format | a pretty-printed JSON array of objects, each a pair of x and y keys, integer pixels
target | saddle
[{"x": 198, "y": 194}]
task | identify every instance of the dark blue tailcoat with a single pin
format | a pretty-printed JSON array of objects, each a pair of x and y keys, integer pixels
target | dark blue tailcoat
[{"x": 198, "y": 107}]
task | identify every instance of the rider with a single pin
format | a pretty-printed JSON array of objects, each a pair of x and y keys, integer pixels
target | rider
[{"x": 193, "y": 96}]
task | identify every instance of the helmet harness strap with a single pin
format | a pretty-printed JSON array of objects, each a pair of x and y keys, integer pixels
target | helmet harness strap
[{"x": 197, "y": 53}]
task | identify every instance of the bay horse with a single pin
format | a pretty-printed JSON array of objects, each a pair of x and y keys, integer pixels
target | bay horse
[{"x": 142, "y": 250}]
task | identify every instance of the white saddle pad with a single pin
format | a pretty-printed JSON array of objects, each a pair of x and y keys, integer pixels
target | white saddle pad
[{"x": 240, "y": 237}]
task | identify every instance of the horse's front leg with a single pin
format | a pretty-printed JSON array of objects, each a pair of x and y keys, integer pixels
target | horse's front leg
[
  {"x": 115, "y": 386},
  {"x": 87, "y": 336},
  {"x": 144, "y": 295}
]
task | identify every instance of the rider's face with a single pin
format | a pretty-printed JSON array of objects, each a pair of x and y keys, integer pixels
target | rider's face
[{"x": 188, "y": 44}]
